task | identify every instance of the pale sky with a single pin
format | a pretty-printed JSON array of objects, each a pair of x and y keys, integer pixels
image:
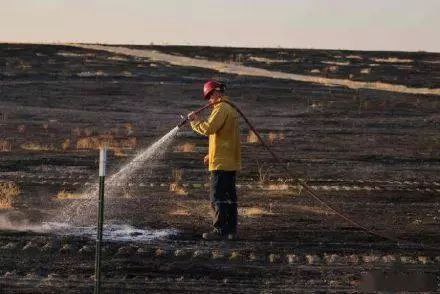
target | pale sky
[{"x": 407, "y": 25}]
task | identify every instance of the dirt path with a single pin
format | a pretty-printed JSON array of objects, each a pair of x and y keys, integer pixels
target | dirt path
[{"x": 232, "y": 68}]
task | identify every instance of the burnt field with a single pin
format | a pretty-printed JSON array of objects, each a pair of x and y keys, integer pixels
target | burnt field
[
  {"x": 374, "y": 155},
  {"x": 415, "y": 69}
]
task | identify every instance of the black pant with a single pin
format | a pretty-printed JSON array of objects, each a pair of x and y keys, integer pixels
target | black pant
[{"x": 223, "y": 198}]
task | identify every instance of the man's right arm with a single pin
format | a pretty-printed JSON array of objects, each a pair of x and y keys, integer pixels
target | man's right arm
[{"x": 213, "y": 124}]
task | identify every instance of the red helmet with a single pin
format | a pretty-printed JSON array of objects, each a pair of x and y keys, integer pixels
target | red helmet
[{"x": 210, "y": 86}]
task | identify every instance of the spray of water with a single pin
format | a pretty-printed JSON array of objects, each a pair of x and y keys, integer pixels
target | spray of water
[
  {"x": 83, "y": 212},
  {"x": 151, "y": 153},
  {"x": 112, "y": 232},
  {"x": 79, "y": 218}
]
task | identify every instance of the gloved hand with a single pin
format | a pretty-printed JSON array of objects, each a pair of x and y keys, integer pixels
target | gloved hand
[{"x": 192, "y": 116}]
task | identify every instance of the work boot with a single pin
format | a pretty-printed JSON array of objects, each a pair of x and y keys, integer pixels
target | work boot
[
  {"x": 232, "y": 237},
  {"x": 211, "y": 236}
]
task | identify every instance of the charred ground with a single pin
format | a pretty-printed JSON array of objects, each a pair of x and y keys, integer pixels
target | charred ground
[{"x": 372, "y": 154}]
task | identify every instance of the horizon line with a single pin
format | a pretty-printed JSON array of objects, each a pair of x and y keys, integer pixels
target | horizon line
[{"x": 164, "y": 44}]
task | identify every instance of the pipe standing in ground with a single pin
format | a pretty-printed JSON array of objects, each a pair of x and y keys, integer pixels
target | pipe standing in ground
[{"x": 102, "y": 170}]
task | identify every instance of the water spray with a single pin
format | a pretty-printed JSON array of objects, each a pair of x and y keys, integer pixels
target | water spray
[{"x": 303, "y": 184}]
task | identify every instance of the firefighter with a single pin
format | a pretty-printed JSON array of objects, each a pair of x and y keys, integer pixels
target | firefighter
[{"x": 223, "y": 159}]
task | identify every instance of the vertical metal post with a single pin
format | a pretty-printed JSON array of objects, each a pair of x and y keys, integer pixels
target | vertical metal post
[{"x": 102, "y": 169}]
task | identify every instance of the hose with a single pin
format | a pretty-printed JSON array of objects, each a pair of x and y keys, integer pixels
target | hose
[
  {"x": 185, "y": 120},
  {"x": 306, "y": 187}
]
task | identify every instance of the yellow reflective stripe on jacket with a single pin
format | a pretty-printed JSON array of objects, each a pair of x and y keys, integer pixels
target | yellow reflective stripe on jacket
[{"x": 223, "y": 130}]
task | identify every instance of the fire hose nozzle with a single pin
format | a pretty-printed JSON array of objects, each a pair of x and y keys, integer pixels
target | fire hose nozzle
[{"x": 183, "y": 121}]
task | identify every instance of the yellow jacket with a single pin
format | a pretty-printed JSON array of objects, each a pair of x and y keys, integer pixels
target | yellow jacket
[{"x": 224, "y": 137}]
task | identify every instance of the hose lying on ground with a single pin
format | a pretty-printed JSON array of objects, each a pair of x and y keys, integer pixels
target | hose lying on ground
[{"x": 306, "y": 187}]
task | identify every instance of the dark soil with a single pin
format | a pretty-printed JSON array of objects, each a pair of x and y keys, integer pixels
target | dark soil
[{"x": 374, "y": 155}]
